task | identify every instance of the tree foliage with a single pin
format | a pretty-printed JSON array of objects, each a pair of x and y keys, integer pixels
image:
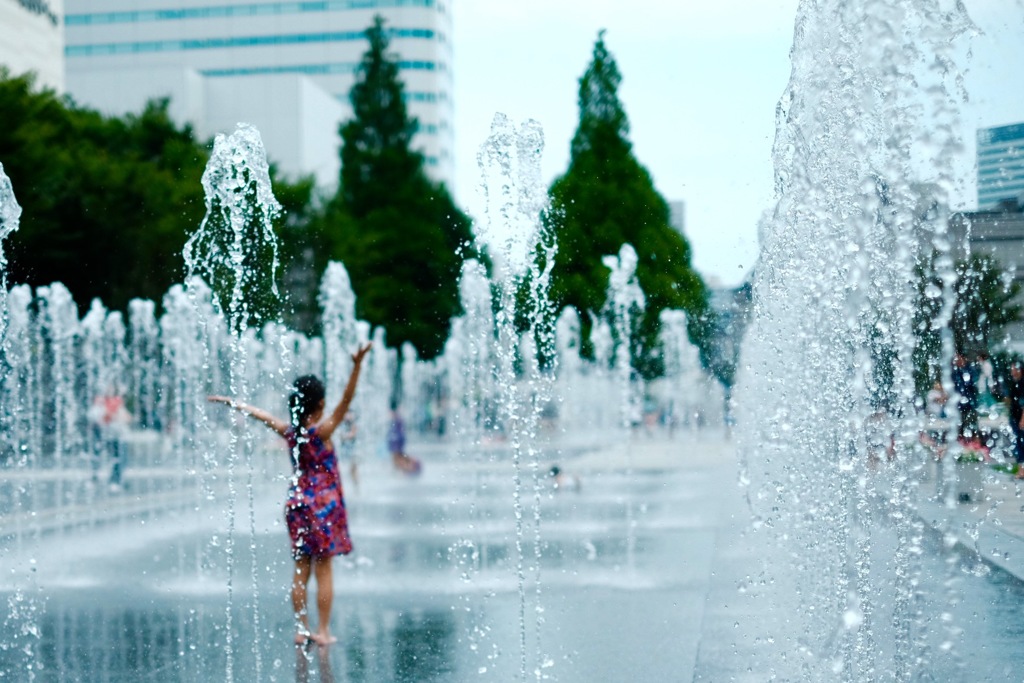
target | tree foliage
[
  {"x": 605, "y": 199},
  {"x": 982, "y": 304},
  {"x": 399, "y": 234},
  {"x": 108, "y": 202}
]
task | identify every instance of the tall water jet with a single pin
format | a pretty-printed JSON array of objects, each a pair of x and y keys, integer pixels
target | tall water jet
[
  {"x": 10, "y": 213},
  {"x": 511, "y": 232},
  {"x": 341, "y": 332},
  {"x": 470, "y": 355},
  {"x": 235, "y": 252},
  {"x": 866, "y": 134},
  {"x": 22, "y": 608},
  {"x": 625, "y": 304},
  {"x": 686, "y": 387},
  {"x": 338, "y": 325}
]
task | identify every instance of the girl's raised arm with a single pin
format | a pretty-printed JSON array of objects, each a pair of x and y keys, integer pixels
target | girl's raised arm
[
  {"x": 279, "y": 426},
  {"x": 331, "y": 422}
]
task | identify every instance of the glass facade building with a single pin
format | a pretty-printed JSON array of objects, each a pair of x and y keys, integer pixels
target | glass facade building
[
  {"x": 285, "y": 67},
  {"x": 1000, "y": 165}
]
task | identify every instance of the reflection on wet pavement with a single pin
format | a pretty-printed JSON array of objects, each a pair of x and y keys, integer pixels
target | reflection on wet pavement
[{"x": 431, "y": 592}]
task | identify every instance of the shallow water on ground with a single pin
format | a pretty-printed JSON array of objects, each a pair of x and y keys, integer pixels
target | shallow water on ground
[{"x": 431, "y": 592}]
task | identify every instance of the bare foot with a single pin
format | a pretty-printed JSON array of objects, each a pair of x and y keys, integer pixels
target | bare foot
[
  {"x": 323, "y": 638},
  {"x": 302, "y": 637}
]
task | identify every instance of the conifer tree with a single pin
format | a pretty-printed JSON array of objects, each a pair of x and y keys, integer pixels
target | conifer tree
[
  {"x": 404, "y": 238},
  {"x": 605, "y": 199}
]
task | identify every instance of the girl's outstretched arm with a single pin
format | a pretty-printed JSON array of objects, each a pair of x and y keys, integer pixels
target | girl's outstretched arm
[
  {"x": 279, "y": 426},
  {"x": 331, "y": 422}
]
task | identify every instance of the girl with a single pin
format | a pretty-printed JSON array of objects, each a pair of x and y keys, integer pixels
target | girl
[{"x": 315, "y": 509}]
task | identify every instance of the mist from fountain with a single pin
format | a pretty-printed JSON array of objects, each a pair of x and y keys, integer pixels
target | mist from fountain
[
  {"x": 10, "y": 214},
  {"x": 510, "y": 229},
  {"x": 867, "y": 130},
  {"x": 204, "y": 470},
  {"x": 626, "y": 301}
]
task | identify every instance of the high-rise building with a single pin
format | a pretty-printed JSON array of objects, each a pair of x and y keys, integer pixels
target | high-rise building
[
  {"x": 285, "y": 67},
  {"x": 32, "y": 40},
  {"x": 1000, "y": 165}
]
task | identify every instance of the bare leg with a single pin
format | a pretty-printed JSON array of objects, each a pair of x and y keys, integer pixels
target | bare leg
[
  {"x": 324, "y": 599},
  {"x": 299, "y": 581}
]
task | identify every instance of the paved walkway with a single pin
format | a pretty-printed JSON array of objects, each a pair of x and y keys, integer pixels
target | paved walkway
[
  {"x": 749, "y": 599},
  {"x": 991, "y": 526},
  {"x": 683, "y": 587}
]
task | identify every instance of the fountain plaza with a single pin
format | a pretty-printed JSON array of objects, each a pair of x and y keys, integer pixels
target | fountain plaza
[{"x": 787, "y": 549}]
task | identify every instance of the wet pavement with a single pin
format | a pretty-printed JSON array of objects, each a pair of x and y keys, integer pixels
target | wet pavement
[{"x": 651, "y": 570}]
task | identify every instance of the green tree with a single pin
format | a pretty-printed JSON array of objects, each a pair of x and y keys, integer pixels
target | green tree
[
  {"x": 108, "y": 202},
  {"x": 983, "y": 303},
  {"x": 400, "y": 235},
  {"x": 606, "y": 198},
  {"x": 300, "y": 233}
]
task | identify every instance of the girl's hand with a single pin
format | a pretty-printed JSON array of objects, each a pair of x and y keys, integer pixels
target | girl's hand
[
  {"x": 226, "y": 400},
  {"x": 358, "y": 356}
]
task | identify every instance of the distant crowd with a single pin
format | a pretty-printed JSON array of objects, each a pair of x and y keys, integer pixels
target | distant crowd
[{"x": 986, "y": 404}]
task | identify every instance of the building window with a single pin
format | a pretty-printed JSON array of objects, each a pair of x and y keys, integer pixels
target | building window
[
  {"x": 248, "y": 10},
  {"x": 420, "y": 97},
  {"x": 310, "y": 69},
  {"x": 239, "y": 41}
]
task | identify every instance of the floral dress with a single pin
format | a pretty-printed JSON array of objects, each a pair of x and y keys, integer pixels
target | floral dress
[{"x": 315, "y": 509}]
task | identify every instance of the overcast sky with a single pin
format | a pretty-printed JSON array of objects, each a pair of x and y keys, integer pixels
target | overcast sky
[{"x": 700, "y": 85}]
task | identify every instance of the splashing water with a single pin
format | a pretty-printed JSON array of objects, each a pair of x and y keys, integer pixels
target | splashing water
[
  {"x": 866, "y": 132},
  {"x": 625, "y": 302},
  {"x": 22, "y": 610},
  {"x": 469, "y": 353},
  {"x": 10, "y": 213},
  {"x": 511, "y": 229},
  {"x": 235, "y": 251},
  {"x": 235, "y": 248},
  {"x": 338, "y": 303}
]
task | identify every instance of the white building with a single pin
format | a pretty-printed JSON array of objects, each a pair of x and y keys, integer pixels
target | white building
[
  {"x": 285, "y": 67},
  {"x": 1000, "y": 166},
  {"x": 32, "y": 40}
]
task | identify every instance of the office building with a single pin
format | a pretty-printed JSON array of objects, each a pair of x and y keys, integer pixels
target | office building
[
  {"x": 998, "y": 233},
  {"x": 1000, "y": 166},
  {"x": 285, "y": 67},
  {"x": 32, "y": 40}
]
